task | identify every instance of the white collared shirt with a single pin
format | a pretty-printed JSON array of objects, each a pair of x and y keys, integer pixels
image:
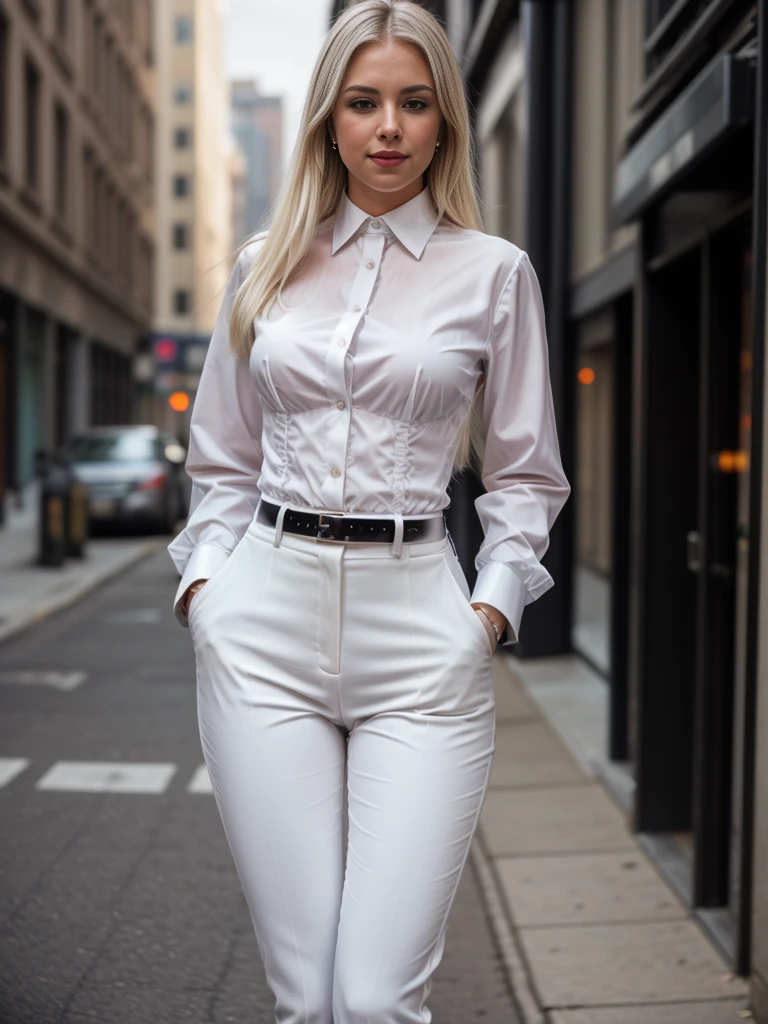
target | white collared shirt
[{"x": 357, "y": 387}]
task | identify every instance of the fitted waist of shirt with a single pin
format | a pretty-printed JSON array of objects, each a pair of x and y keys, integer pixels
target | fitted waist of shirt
[{"x": 351, "y": 515}]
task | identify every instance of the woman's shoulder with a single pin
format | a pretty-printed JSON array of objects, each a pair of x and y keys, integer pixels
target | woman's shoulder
[{"x": 495, "y": 254}]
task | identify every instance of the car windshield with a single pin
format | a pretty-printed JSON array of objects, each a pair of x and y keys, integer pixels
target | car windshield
[{"x": 115, "y": 448}]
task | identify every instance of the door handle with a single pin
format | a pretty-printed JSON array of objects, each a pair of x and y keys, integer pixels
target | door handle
[{"x": 694, "y": 550}]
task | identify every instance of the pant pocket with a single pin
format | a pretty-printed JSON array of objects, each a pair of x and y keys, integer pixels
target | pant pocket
[{"x": 457, "y": 583}]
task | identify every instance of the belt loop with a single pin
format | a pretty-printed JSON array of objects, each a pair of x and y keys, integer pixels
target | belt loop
[
  {"x": 279, "y": 524},
  {"x": 397, "y": 545}
]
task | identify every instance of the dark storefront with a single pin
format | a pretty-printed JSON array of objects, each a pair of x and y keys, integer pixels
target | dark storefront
[{"x": 683, "y": 684}]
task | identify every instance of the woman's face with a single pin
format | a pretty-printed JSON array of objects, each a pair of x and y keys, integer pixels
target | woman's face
[{"x": 386, "y": 103}]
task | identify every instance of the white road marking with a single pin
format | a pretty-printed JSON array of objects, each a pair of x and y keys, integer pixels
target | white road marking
[
  {"x": 31, "y": 677},
  {"x": 10, "y": 767},
  {"x": 201, "y": 781},
  {"x": 107, "y": 777},
  {"x": 132, "y": 617}
]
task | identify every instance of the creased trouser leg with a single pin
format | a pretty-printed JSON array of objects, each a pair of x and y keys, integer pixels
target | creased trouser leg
[{"x": 298, "y": 646}]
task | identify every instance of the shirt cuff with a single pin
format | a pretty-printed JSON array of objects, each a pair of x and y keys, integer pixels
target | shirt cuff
[
  {"x": 203, "y": 563},
  {"x": 499, "y": 586}
]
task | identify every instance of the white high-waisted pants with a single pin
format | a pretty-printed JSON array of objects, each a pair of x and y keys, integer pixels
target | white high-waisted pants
[{"x": 340, "y": 679}]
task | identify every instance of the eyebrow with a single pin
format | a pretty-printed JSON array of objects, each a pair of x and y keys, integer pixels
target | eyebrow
[{"x": 376, "y": 92}]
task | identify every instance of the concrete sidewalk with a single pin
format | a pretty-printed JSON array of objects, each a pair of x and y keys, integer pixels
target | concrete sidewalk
[
  {"x": 29, "y": 592},
  {"x": 591, "y": 933}
]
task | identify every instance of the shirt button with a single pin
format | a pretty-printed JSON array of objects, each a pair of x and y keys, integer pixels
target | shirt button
[
  {"x": 370, "y": 264},
  {"x": 374, "y": 224},
  {"x": 341, "y": 342},
  {"x": 356, "y": 309},
  {"x": 340, "y": 404},
  {"x": 335, "y": 472}
]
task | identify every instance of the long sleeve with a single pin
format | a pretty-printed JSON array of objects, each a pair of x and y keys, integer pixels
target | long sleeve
[
  {"x": 522, "y": 472},
  {"x": 224, "y": 459}
]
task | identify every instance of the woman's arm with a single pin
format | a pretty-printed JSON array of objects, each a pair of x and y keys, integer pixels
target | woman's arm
[
  {"x": 522, "y": 472},
  {"x": 224, "y": 458}
]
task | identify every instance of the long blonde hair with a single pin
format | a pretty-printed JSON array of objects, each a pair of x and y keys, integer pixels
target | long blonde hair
[{"x": 316, "y": 177}]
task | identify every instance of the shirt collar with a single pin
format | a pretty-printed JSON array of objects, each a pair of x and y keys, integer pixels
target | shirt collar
[{"x": 412, "y": 223}]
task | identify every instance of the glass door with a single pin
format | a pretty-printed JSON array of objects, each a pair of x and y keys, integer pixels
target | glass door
[
  {"x": 720, "y": 558},
  {"x": 742, "y": 470}
]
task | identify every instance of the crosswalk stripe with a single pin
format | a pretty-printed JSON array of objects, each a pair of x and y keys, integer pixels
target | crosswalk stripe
[
  {"x": 201, "y": 781},
  {"x": 106, "y": 777},
  {"x": 66, "y": 680},
  {"x": 10, "y": 767}
]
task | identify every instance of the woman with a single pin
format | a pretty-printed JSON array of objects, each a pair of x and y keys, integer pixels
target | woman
[{"x": 345, "y": 698}]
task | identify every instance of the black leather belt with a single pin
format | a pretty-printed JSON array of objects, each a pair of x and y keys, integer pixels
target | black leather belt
[{"x": 338, "y": 526}]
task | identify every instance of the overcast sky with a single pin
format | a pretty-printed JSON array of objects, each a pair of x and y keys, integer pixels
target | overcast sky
[{"x": 276, "y": 42}]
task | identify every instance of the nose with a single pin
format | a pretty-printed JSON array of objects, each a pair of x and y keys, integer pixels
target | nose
[{"x": 389, "y": 126}]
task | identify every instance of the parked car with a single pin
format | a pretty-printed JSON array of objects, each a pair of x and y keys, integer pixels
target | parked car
[{"x": 134, "y": 475}]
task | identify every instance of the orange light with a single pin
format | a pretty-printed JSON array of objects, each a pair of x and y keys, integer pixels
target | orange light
[
  {"x": 741, "y": 461},
  {"x": 586, "y": 375},
  {"x": 726, "y": 461},
  {"x": 179, "y": 401},
  {"x": 746, "y": 421}
]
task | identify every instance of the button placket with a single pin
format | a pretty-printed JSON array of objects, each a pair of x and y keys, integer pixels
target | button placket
[{"x": 332, "y": 490}]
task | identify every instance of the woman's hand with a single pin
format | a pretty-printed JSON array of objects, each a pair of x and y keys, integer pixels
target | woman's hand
[
  {"x": 189, "y": 593},
  {"x": 486, "y": 612}
]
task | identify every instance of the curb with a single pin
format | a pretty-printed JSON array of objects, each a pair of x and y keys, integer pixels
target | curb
[
  {"x": 515, "y": 968},
  {"x": 79, "y": 590}
]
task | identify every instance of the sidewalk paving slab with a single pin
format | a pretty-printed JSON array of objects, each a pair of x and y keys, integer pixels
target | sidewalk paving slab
[
  {"x": 512, "y": 703},
  {"x": 552, "y": 820},
  {"x": 588, "y": 888},
  {"x": 729, "y": 1012},
  {"x": 528, "y": 753},
  {"x": 652, "y": 962}
]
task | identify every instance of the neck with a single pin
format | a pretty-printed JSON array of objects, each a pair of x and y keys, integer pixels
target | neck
[{"x": 375, "y": 202}]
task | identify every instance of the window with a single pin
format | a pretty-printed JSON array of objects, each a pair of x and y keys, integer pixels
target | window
[
  {"x": 182, "y": 94},
  {"x": 182, "y": 138},
  {"x": 183, "y": 29},
  {"x": 181, "y": 301},
  {"x": 31, "y": 124},
  {"x": 180, "y": 236},
  {"x": 88, "y": 190},
  {"x": 61, "y": 158},
  {"x": 181, "y": 185},
  {"x": 97, "y": 62},
  {"x": 62, "y": 18},
  {"x": 3, "y": 87},
  {"x": 98, "y": 210}
]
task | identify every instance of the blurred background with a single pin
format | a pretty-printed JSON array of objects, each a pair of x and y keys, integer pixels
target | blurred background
[{"x": 622, "y": 143}]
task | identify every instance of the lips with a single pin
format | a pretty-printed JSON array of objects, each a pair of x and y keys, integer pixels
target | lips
[{"x": 387, "y": 159}]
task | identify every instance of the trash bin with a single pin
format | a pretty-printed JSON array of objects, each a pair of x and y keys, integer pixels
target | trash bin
[
  {"x": 77, "y": 517},
  {"x": 63, "y": 510},
  {"x": 54, "y": 500}
]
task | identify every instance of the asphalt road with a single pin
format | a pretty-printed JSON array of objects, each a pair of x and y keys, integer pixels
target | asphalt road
[{"x": 119, "y": 902}]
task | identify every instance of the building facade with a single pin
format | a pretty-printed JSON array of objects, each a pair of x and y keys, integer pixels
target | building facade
[
  {"x": 76, "y": 219},
  {"x": 623, "y": 145},
  {"x": 257, "y": 123},
  {"x": 195, "y": 170}
]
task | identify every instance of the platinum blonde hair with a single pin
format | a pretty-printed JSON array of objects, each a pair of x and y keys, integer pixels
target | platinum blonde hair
[{"x": 316, "y": 177}]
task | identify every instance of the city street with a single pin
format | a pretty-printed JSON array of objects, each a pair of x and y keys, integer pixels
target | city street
[{"x": 118, "y": 898}]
